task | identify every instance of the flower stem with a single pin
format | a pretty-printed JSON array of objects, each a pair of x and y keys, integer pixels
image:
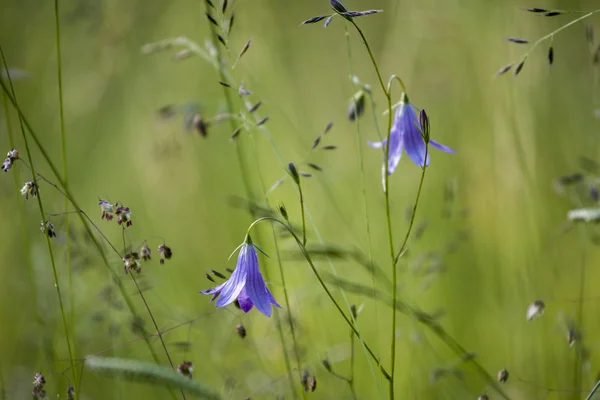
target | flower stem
[
  {"x": 220, "y": 66},
  {"x": 63, "y": 140},
  {"x": 387, "y": 207},
  {"x": 84, "y": 218},
  {"x": 327, "y": 291},
  {"x": 48, "y": 243},
  {"x": 302, "y": 212},
  {"x": 363, "y": 183}
]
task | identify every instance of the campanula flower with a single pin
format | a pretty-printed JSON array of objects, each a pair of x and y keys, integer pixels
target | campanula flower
[
  {"x": 245, "y": 284},
  {"x": 406, "y": 136}
]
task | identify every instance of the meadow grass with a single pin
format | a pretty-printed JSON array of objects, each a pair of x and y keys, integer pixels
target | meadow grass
[{"x": 206, "y": 120}]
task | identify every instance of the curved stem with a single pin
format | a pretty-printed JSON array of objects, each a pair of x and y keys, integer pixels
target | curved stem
[
  {"x": 387, "y": 205},
  {"x": 48, "y": 243},
  {"x": 324, "y": 286}
]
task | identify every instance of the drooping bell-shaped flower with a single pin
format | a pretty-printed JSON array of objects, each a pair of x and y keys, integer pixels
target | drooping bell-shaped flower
[
  {"x": 245, "y": 284},
  {"x": 405, "y": 135}
]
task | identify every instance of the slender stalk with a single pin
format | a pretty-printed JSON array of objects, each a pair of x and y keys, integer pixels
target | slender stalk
[
  {"x": 363, "y": 182},
  {"x": 26, "y": 242},
  {"x": 48, "y": 243},
  {"x": 244, "y": 171},
  {"x": 387, "y": 207},
  {"x": 63, "y": 140},
  {"x": 302, "y": 211},
  {"x": 327, "y": 291},
  {"x": 594, "y": 390},
  {"x": 84, "y": 218}
]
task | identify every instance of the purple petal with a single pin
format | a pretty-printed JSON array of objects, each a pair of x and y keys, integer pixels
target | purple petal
[
  {"x": 255, "y": 284},
  {"x": 244, "y": 301},
  {"x": 441, "y": 147},
  {"x": 214, "y": 290},
  {"x": 413, "y": 141},
  {"x": 272, "y": 300},
  {"x": 236, "y": 281},
  {"x": 397, "y": 134}
]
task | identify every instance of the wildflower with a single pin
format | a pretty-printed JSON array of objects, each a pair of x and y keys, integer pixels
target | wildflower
[
  {"x": 10, "y": 159},
  {"x": 145, "y": 253},
  {"x": 48, "y": 228},
  {"x": 535, "y": 309},
  {"x": 165, "y": 253},
  {"x": 123, "y": 215},
  {"x": 30, "y": 188},
  {"x": 132, "y": 262},
  {"x": 108, "y": 210},
  {"x": 245, "y": 284},
  {"x": 186, "y": 368},
  {"x": 406, "y": 135}
]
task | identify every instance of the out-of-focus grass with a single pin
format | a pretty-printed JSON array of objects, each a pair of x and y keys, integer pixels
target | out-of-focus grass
[{"x": 513, "y": 136}]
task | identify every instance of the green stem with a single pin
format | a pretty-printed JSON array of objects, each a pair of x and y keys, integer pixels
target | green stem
[
  {"x": 48, "y": 243},
  {"x": 363, "y": 183},
  {"x": 248, "y": 188},
  {"x": 548, "y": 36},
  {"x": 302, "y": 211},
  {"x": 83, "y": 217},
  {"x": 594, "y": 390},
  {"x": 327, "y": 291},
  {"x": 63, "y": 139},
  {"x": 387, "y": 207}
]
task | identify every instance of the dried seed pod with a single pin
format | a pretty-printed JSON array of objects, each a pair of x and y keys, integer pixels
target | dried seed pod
[{"x": 504, "y": 69}]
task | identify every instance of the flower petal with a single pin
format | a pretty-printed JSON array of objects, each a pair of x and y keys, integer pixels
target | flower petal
[
  {"x": 236, "y": 281},
  {"x": 244, "y": 301},
  {"x": 255, "y": 285},
  {"x": 441, "y": 147},
  {"x": 214, "y": 290},
  {"x": 413, "y": 141},
  {"x": 396, "y": 140}
]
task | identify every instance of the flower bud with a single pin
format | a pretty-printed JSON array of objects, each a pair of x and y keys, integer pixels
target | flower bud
[
  {"x": 294, "y": 173},
  {"x": 424, "y": 122},
  {"x": 357, "y": 106}
]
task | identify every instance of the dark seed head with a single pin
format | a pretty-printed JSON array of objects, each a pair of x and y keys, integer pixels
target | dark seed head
[
  {"x": 212, "y": 20},
  {"x": 236, "y": 133},
  {"x": 283, "y": 211},
  {"x": 210, "y": 278},
  {"x": 314, "y": 19},
  {"x": 502, "y": 376},
  {"x": 255, "y": 107},
  {"x": 357, "y": 106},
  {"x": 316, "y": 142},
  {"x": 293, "y": 171},
  {"x": 315, "y": 167},
  {"x": 536, "y": 10},
  {"x": 328, "y": 21},
  {"x": 517, "y": 40},
  {"x": 241, "y": 331},
  {"x": 551, "y": 55},
  {"x": 338, "y": 6},
  {"x": 262, "y": 121},
  {"x": 552, "y": 13},
  {"x": 519, "y": 67},
  {"x": 225, "y": 84},
  {"x": 218, "y": 274},
  {"x": 504, "y": 69},
  {"x": 329, "y": 147},
  {"x": 328, "y": 127},
  {"x": 224, "y": 6}
]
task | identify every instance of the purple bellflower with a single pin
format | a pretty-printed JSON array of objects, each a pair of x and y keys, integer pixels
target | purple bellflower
[
  {"x": 406, "y": 135},
  {"x": 245, "y": 284}
]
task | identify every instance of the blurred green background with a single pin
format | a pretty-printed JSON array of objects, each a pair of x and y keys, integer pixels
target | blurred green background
[{"x": 505, "y": 225}]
